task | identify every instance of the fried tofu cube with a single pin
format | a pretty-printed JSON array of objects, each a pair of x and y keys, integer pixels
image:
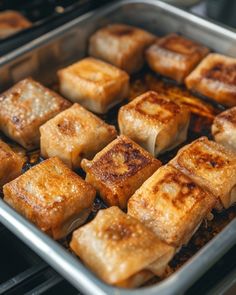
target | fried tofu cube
[
  {"x": 119, "y": 169},
  {"x": 25, "y": 107},
  {"x": 11, "y": 22},
  {"x": 75, "y": 134},
  {"x": 155, "y": 122},
  {"x": 117, "y": 247},
  {"x": 96, "y": 85},
  {"x": 224, "y": 128},
  {"x": 172, "y": 205},
  {"x": 215, "y": 78},
  {"x": 121, "y": 45},
  {"x": 52, "y": 197},
  {"x": 11, "y": 164},
  {"x": 175, "y": 56},
  {"x": 211, "y": 166}
]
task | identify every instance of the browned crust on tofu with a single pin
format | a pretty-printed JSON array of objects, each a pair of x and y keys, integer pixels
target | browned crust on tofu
[
  {"x": 125, "y": 246},
  {"x": 154, "y": 121},
  {"x": 224, "y": 128},
  {"x": 11, "y": 22},
  {"x": 175, "y": 56},
  {"x": 155, "y": 98},
  {"x": 171, "y": 204},
  {"x": 21, "y": 117},
  {"x": 215, "y": 77},
  {"x": 210, "y": 165},
  {"x": 49, "y": 195},
  {"x": 119, "y": 169},
  {"x": 11, "y": 164}
]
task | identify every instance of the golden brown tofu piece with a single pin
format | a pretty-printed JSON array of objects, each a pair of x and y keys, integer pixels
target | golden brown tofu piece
[
  {"x": 215, "y": 77},
  {"x": 211, "y": 166},
  {"x": 155, "y": 122},
  {"x": 11, "y": 164},
  {"x": 121, "y": 45},
  {"x": 52, "y": 197},
  {"x": 224, "y": 128},
  {"x": 172, "y": 205},
  {"x": 25, "y": 107},
  {"x": 119, "y": 169},
  {"x": 75, "y": 134},
  {"x": 175, "y": 56},
  {"x": 96, "y": 85},
  {"x": 11, "y": 22},
  {"x": 117, "y": 247}
]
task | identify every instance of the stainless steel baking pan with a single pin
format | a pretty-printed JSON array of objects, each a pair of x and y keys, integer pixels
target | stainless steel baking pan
[{"x": 41, "y": 58}]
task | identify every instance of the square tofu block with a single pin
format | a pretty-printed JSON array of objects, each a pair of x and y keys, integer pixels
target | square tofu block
[
  {"x": 155, "y": 122},
  {"x": 172, "y": 205},
  {"x": 119, "y": 169},
  {"x": 26, "y": 106},
  {"x": 116, "y": 247},
  {"x": 175, "y": 56},
  {"x": 211, "y": 166},
  {"x": 11, "y": 164},
  {"x": 96, "y": 85},
  {"x": 215, "y": 77},
  {"x": 75, "y": 134},
  {"x": 121, "y": 45},
  {"x": 12, "y": 22},
  {"x": 52, "y": 197},
  {"x": 224, "y": 128}
]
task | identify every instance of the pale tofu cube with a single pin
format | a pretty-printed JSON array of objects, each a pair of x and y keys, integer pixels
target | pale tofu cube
[
  {"x": 117, "y": 248},
  {"x": 75, "y": 134},
  {"x": 121, "y": 45},
  {"x": 96, "y": 85},
  {"x": 25, "y": 107}
]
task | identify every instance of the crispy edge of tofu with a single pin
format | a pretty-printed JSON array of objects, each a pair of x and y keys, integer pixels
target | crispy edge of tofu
[
  {"x": 121, "y": 232},
  {"x": 113, "y": 187},
  {"x": 10, "y": 162},
  {"x": 108, "y": 93},
  {"x": 49, "y": 218},
  {"x": 178, "y": 232},
  {"x": 72, "y": 156}
]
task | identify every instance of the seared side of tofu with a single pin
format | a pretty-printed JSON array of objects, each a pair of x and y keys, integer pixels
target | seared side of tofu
[
  {"x": 171, "y": 204},
  {"x": 224, "y": 128},
  {"x": 25, "y": 107},
  {"x": 96, "y": 85},
  {"x": 11, "y": 164},
  {"x": 155, "y": 122},
  {"x": 52, "y": 197},
  {"x": 119, "y": 169},
  {"x": 175, "y": 56},
  {"x": 215, "y": 77},
  {"x": 121, "y": 45},
  {"x": 211, "y": 166},
  {"x": 75, "y": 134},
  {"x": 116, "y": 247}
]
